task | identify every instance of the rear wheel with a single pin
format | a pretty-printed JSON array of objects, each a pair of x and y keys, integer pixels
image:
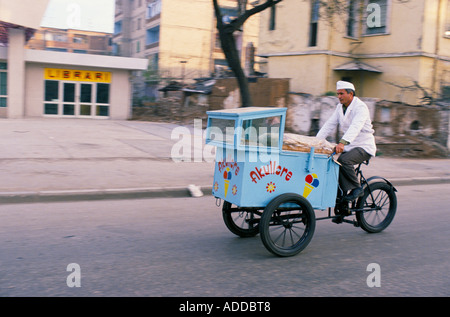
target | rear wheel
[
  {"x": 377, "y": 207},
  {"x": 287, "y": 224},
  {"x": 244, "y": 223}
]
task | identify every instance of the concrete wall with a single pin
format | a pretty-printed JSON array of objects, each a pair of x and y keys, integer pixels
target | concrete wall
[
  {"x": 265, "y": 92},
  {"x": 120, "y": 95}
]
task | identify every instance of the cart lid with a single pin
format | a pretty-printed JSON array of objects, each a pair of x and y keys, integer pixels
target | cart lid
[{"x": 247, "y": 111}]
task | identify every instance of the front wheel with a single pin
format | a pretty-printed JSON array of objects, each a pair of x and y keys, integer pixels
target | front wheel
[
  {"x": 287, "y": 224},
  {"x": 376, "y": 209}
]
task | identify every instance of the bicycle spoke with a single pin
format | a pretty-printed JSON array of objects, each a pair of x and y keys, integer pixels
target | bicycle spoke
[
  {"x": 377, "y": 208},
  {"x": 380, "y": 201},
  {"x": 385, "y": 201},
  {"x": 279, "y": 236},
  {"x": 290, "y": 233},
  {"x": 295, "y": 232}
]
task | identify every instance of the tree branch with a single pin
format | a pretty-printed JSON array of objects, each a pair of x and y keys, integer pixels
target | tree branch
[
  {"x": 240, "y": 20},
  {"x": 217, "y": 13}
]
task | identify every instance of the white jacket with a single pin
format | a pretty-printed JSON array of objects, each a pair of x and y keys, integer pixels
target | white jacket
[{"x": 355, "y": 124}]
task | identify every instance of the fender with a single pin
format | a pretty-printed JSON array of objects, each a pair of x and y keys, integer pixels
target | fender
[{"x": 370, "y": 179}]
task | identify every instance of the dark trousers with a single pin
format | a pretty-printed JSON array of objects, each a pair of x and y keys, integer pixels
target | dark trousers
[{"x": 347, "y": 174}]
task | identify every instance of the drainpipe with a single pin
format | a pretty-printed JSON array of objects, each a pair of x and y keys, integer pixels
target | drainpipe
[
  {"x": 328, "y": 71},
  {"x": 434, "y": 89}
]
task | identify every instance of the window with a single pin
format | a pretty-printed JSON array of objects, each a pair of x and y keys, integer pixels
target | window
[
  {"x": 228, "y": 14},
  {"x": 221, "y": 130},
  {"x": 138, "y": 24},
  {"x": 118, "y": 27},
  {"x": 153, "y": 9},
  {"x": 3, "y": 84},
  {"x": 51, "y": 90},
  {"x": 352, "y": 21},
  {"x": 261, "y": 132},
  {"x": 80, "y": 39},
  {"x": 51, "y": 97},
  {"x": 376, "y": 17},
  {"x": 56, "y": 49},
  {"x": 102, "y": 93},
  {"x": 272, "y": 18},
  {"x": 153, "y": 61},
  {"x": 152, "y": 35},
  {"x": 138, "y": 46},
  {"x": 115, "y": 49},
  {"x": 314, "y": 23},
  {"x": 446, "y": 92},
  {"x": 62, "y": 98},
  {"x": 59, "y": 37}
]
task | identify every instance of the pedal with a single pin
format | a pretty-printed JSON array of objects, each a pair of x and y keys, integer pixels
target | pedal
[{"x": 353, "y": 222}]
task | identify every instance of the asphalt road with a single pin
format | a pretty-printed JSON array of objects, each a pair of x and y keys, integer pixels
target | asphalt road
[{"x": 181, "y": 247}]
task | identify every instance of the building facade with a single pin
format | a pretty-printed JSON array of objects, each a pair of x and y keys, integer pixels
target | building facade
[
  {"x": 36, "y": 83},
  {"x": 392, "y": 50},
  {"x": 178, "y": 37},
  {"x": 72, "y": 41}
]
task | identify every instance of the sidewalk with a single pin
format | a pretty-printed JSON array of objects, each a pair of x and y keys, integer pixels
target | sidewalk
[{"x": 72, "y": 159}]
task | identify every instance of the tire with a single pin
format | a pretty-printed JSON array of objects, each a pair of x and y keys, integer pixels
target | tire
[
  {"x": 287, "y": 225},
  {"x": 377, "y": 210},
  {"x": 242, "y": 223}
]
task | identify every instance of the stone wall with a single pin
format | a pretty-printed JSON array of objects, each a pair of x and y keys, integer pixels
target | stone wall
[
  {"x": 307, "y": 113},
  {"x": 400, "y": 129},
  {"x": 413, "y": 130}
]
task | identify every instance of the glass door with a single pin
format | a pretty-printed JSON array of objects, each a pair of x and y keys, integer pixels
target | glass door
[
  {"x": 76, "y": 99},
  {"x": 68, "y": 99},
  {"x": 86, "y": 98}
]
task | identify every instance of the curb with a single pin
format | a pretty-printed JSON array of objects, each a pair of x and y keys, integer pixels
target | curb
[
  {"x": 419, "y": 180},
  {"x": 154, "y": 192},
  {"x": 97, "y": 194}
]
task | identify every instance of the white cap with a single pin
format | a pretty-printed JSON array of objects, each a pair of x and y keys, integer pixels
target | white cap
[{"x": 344, "y": 85}]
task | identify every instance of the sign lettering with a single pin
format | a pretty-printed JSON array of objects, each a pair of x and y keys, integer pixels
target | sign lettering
[{"x": 77, "y": 75}]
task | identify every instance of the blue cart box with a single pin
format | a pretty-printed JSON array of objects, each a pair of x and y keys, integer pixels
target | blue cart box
[{"x": 251, "y": 168}]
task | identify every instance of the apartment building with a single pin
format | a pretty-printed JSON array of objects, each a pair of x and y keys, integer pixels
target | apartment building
[
  {"x": 392, "y": 50},
  {"x": 178, "y": 37},
  {"x": 73, "y": 41}
]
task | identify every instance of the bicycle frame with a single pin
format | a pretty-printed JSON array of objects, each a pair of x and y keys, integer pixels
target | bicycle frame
[{"x": 365, "y": 183}]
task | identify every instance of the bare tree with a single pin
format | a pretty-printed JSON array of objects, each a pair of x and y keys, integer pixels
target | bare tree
[{"x": 227, "y": 40}]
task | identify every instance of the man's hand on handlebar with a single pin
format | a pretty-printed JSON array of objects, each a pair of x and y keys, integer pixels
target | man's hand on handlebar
[{"x": 339, "y": 148}]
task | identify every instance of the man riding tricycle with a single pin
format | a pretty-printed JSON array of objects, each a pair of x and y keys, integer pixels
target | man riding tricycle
[{"x": 272, "y": 182}]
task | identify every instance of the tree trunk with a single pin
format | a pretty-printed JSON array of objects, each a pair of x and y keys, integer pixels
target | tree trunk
[
  {"x": 229, "y": 48},
  {"x": 231, "y": 53}
]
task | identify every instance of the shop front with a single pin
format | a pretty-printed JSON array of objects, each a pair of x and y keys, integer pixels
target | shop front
[
  {"x": 76, "y": 93},
  {"x": 37, "y": 83}
]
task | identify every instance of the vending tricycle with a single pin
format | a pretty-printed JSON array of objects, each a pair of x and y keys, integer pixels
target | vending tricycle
[{"x": 274, "y": 191}]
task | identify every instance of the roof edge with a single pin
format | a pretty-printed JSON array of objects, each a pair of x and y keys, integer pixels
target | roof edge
[{"x": 77, "y": 59}]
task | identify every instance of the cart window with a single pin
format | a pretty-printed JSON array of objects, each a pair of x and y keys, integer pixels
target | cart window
[
  {"x": 261, "y": 132},
  {"x": 222, "y": 130}
]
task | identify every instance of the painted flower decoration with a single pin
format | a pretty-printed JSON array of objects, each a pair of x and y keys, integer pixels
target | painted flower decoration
[
  {"x": 270, "y": 187},
  {"x": 234, "y": 190}
]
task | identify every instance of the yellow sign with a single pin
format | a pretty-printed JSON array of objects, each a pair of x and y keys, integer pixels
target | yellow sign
[{"x": 77, "y": 75}]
